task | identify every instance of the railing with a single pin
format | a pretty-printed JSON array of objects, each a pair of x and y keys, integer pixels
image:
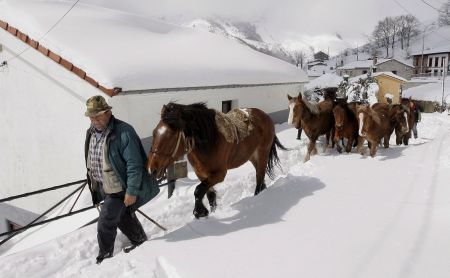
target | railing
[{"x": 13, "y": 233}]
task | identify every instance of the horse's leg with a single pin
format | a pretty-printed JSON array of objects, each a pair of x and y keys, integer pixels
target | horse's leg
[
  {"x": 348, "y": 148},
  {"x": 361, "y": 145},
  {"x": 199, "y": 209},
  {"x": 386, "y": 141},
  {"x": 211, "y": 195},
  {"x": 337, "y": 140},
  {"x": 311, "y": 147},
  {"x": 299, "y": 134},
  {"x": 373, "y": 149},
  {"x": 260, "y": 167},
  {"x": 327, "y": 141}
]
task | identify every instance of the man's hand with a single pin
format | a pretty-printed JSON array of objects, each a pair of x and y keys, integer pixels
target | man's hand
[{"x": 129, "y": 200}]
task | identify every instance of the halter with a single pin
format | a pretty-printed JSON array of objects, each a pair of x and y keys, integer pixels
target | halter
[{"x": 188, "y": 145}]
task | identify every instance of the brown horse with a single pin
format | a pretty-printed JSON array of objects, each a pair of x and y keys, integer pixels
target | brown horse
[
  {"x": 346, "y": 125},
  {"x": 404, "y": 138},
  {"x": 315, "y": 119},
  {"x": 194, "y": 130},
  {"x": 376, "y": 123}
]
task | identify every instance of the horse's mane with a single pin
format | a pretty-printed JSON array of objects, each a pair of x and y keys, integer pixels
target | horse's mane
[
  {"x": 196, "y": 120},
  {"x": 312, "y": 107},
  {"x": 347, "y": 110}
]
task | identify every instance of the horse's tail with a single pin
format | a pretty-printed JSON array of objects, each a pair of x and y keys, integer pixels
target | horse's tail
[{"x": 274, "y": 160}]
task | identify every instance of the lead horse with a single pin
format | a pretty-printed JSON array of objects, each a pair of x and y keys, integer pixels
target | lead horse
[{"x": 194, "y": 130}]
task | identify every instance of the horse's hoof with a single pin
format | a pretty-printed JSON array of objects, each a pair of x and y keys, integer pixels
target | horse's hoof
[
  {"x": 200, "y": 212},
  {"x": 213, "y": 208}
]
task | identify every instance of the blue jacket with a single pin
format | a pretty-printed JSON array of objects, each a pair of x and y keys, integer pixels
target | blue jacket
[{"x": 127, "y": 157}]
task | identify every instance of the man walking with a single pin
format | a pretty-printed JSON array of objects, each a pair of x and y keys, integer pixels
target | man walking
[{"x": 116, "y": 174}]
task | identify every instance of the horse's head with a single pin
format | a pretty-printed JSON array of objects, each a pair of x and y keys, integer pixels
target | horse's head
[
  {"x": 364, "y": 118},
  {"x": 400, "y": 116},
  {"x": 168, "y": 141},
  {"x": 295, "y": 110},
  {"x": 339, "y": 117}
]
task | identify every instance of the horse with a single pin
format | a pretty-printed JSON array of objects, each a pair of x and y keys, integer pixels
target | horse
[
  {"x": 214, "y": 142},
  {"x": 376, "y": 123},
  {"x": 404, "y": 138},
  {"x": 346, "y": 125},
  {"x": 315, "y": 119}
]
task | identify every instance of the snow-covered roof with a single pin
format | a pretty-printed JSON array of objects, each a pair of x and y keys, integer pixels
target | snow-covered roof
[
  {"x": 324, "y": 81},
  {"x": 133, "y": 52},
  {"x": 358, "y": 65},
  {"x": 381, "y": 61},
  {"x": 375, "y": 74},
  {"x": 435, "y": 50},
  {"x": 429, "y": 92},
  {"x": 318, "y": 70}
]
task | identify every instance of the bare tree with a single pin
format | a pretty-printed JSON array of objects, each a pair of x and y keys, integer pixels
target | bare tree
[
  {"x": 444, "y": 14},
  {"x": 299, "y": 57},
  {"x": 409, "y": 26},
  {"x": 383, "y": 33}
]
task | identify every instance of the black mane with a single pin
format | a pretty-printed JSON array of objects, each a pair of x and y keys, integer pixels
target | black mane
[{"x": 196, "y": 120}]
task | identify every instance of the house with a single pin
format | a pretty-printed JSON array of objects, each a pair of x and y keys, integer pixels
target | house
[
  {"x": 388, "y": 83},
  {"x": 321, "y": 56},
  {"x": 356, "y": 68},
  {"x": 396, "y": 66},
  {"x": 139, "y": 64},
  {"x": 432, "y": 62}
]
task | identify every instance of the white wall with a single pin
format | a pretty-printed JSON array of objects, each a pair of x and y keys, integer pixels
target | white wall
[
  {"x": 43, "y": 125},
  {"x": 143, "y": 110}
]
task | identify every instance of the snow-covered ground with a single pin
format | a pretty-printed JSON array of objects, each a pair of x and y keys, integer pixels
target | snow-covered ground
[{"x": 338, "y": 215}]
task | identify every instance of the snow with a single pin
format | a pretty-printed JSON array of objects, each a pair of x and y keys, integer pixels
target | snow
[
  {"x": 358, "y": 64},
  {"x": 324, "y": 81},
  {"x": 338, "y": 215},
  {"x": 375, "y": 74},
  {"x": 430, "y": 92},
  {"x": 96, "y": 40}
]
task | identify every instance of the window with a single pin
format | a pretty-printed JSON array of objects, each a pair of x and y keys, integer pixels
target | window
[
  {"x": 430, "y": 62},
  {"x": 12, "y": 225},
  {"x": 436, "y": 61},
  {"x": 394, "y": 72},
  {"x": 364, "y": 71},
  {"x": 226, "y": 106}
]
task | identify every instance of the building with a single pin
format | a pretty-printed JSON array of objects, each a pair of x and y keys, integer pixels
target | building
[
  {"x": 139, "y": 64},
  {"x": 389, "y": 83},
  {"x": 435, "y": 60},
  {"x": 400, "y": 68},
  {"x": 321, "y": 56},
  {"x": 356, "y": 68}
]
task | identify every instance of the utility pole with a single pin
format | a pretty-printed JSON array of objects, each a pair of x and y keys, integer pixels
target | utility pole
[
  {"x": 444, "y": 74},
  {"x": 357, "y": 53}
]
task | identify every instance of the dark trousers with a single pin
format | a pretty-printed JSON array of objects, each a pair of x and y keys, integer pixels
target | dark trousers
[{"x": 114, "y": 214}]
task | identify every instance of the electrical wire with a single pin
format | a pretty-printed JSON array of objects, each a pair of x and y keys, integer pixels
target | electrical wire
[
  {"x": 423, "y": 24},
  {"x": 4, "y": 63}
]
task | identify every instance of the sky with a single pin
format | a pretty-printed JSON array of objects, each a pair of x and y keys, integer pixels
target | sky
[{"x": 291, "y": 22}]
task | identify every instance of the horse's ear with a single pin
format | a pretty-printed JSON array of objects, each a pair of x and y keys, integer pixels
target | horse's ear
[
  {"x": 299, "y": 95},
  {"x": 289, "y": 97}
]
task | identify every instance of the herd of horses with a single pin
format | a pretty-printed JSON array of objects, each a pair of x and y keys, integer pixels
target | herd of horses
[
  {"x": 193, "y": 130},
  {"x": 354, "y": 122}
]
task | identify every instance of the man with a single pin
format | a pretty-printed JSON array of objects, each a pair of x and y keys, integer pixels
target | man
[
  {"x": 417, "y": 118},
  {"x": 116, "y": 174}
]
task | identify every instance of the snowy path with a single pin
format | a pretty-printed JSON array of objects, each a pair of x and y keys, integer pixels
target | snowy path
[{"x": 334, "y": 216}]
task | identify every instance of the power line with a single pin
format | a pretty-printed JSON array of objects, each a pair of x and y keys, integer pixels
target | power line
[
  {"x": 429, "y": 5},
  {"x": 4, "y": 63},
  {"x": 407, "y": 11}
]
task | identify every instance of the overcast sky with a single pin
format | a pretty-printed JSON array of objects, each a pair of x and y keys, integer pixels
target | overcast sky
[{"x": 312, "y": 22}]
